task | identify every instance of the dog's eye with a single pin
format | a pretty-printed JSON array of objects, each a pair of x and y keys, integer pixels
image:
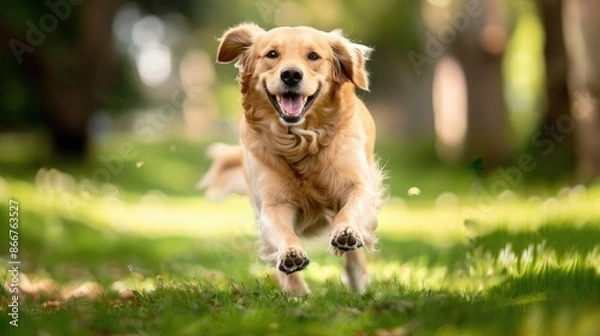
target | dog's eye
[
  {"x": 313, "y": 56},
  {"x": 272, "y": 54}
]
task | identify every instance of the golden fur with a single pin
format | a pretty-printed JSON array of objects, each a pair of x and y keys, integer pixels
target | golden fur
[{"x": 317, "y": 172}]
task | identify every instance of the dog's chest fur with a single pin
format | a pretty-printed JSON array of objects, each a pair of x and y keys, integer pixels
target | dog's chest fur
[
  {"x": 316, "y": 200},
  {"x": 314, "y": 184},
  {"x": 312, "y": 174},
  {"x": 304, "y": 160}
]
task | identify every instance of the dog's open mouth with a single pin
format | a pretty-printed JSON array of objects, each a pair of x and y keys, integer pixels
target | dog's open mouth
[{"x": 291, "y": 106}]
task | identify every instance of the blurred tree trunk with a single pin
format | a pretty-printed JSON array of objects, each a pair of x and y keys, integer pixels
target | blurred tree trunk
[
  {"x": 405, "y": 106},
  {"x": 581, "y": 28},
  {"x": 558, "y": 99},
  {"x": 479, "y": 50},
  {"x": 80, "y": 76}
]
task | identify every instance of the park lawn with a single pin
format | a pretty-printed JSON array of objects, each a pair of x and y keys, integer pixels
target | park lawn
[{"x": 167, "y": 261}]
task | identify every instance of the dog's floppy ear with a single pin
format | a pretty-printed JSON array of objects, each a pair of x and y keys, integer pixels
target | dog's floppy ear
[
  {"x": 350, "y": 60},
  {"x": 236, "y": 41}
]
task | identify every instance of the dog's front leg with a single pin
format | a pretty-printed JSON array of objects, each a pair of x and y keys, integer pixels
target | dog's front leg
[
  {"x": 354, "y": 227},
  {"x": 282, "y": 247}
]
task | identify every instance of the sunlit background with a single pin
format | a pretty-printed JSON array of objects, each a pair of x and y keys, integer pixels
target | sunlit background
[
  {"x": 157, "y": 53},
  {"x": 466, "y": 79}
]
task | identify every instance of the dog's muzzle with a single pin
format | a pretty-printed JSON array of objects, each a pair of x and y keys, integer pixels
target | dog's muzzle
[{"x": 291, "y": 105}]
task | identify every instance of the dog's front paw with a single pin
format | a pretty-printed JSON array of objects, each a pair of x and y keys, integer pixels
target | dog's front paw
[
  {"x": 345, "y": 240},
  {"x": 293, "y": 261}
]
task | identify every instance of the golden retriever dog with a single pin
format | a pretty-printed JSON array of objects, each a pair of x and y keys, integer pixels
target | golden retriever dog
[{"x": 307, "y": 147}]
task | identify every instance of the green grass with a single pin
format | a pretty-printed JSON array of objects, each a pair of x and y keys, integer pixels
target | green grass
[{"x": 451, "y": 265}]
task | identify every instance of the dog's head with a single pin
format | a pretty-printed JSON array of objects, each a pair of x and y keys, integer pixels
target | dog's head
[{"x": 292, "y": 69}]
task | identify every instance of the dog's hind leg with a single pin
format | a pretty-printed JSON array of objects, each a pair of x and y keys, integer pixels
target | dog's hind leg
[
  {"x": 355, "y": 267},
  {"x": 293, "y": 283}
]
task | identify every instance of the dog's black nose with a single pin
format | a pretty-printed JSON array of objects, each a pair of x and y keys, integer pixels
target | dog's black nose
[{"x": 291, "y": 76}]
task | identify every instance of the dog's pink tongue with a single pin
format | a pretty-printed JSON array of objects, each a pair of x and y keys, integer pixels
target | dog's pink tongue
[{"x": 292, "y": 104}]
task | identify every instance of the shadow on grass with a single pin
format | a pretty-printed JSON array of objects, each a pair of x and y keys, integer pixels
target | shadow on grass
[
  {"x": 68, "y": 249},
  {"x": 558, "y": 237},
  {"x": 552, "y": 284},
  {"x": 553, "y": 299},
  {"x": 428, "y": 254}
]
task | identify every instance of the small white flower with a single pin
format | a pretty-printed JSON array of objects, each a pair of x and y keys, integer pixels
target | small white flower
[
  {"x": 506, "y": 257},
  {"x": 539, "y": 248},
  {"x": 527, "y": 255}
]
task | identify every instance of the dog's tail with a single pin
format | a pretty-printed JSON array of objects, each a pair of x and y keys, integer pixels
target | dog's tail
[{"x": 227, "y": 173}]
